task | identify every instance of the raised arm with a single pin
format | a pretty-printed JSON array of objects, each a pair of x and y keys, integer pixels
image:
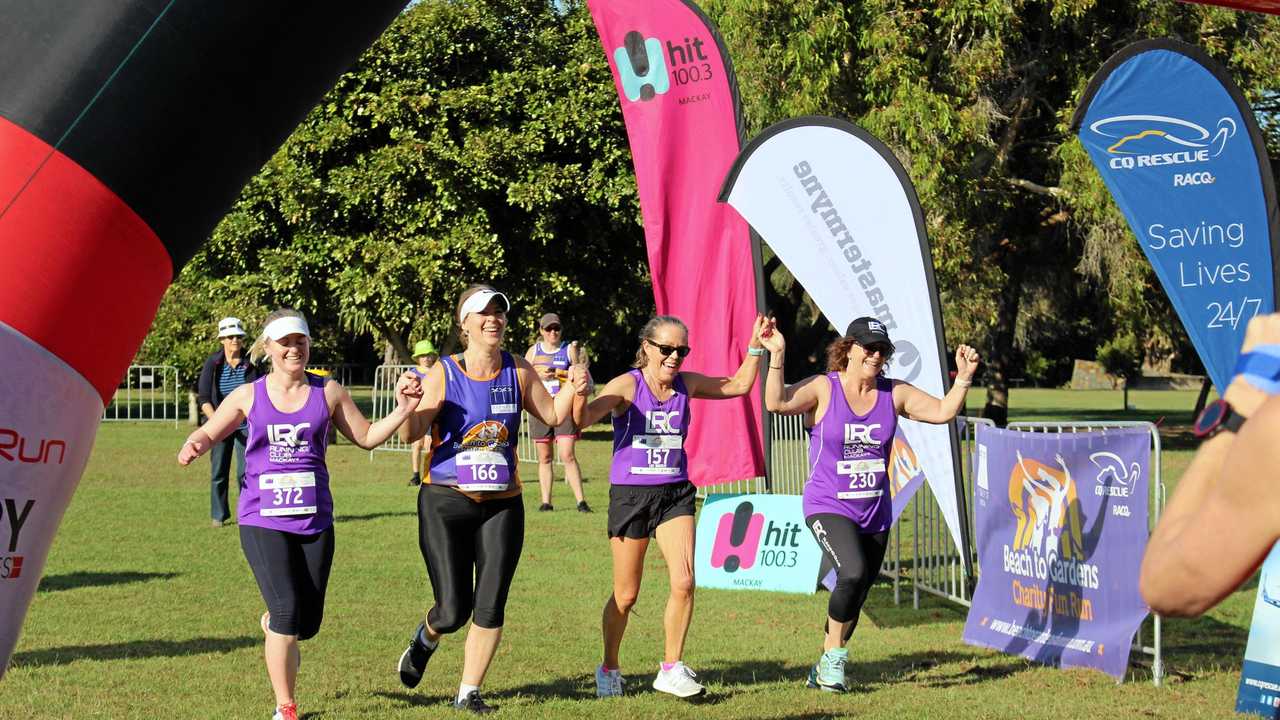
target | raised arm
[
  {"x": 356, "y": 427},
  {"x": 916, "y": 404},
  {"x": 537, "y": 401},
  {"x": 719, "y": 388},
  {"x": 615, "y": 396},
  {"x": 779, "y": 397},
  {"x": 229, "y": 416},
  {"x": 1192, "y": 560}
]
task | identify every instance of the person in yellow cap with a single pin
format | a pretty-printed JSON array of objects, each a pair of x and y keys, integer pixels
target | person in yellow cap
[{"x": 425, "y": 355}]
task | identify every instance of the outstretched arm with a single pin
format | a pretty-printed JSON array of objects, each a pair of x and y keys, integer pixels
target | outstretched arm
[
  {"x": 916, "y": 404},
  {"x": 550, "y": 410},
  {"x": 229, "y": 416},
  {"x": 719, "y": 388},
  {"x": 356, "y": 427},
  {"x": 419, "y": 422},
  {"x": 779, "y": 397},
  {"x": 617, "y": 394},
  {"x": 1191, "y": 564}
]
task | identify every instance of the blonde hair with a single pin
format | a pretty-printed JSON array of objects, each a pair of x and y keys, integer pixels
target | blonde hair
[
  {"x": 462, "y": 300},
  {"x": 259, "y": 348},
  {"x": 647, "y": 332}
]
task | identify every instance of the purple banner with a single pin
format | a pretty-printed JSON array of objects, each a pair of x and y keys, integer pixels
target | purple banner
[{"x": 1061, "y": 527}]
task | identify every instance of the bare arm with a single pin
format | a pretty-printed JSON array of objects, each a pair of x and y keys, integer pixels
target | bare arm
[
  {"x": 229, "y": 416},
  {"x": 356, "y": 427},
  {"x": 550, "y": 410},
  {"x": 419, "y": 422},
  {"x": 916, "y": 404},
  {"x": 720, "y": 388},
  {"x": 779, "y": 397},
  {"x": 615, "y": 396}
]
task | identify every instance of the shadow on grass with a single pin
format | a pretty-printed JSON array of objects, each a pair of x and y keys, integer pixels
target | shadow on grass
[
  {"x": 933, "y": 609},
  {"x": 875, "y": 674},
  {"x": 1196, "y": 645},
  {"x": 135, "y": 650},
  {"x": 71, "y": 581},
  {"x": 344, "y": 518}
]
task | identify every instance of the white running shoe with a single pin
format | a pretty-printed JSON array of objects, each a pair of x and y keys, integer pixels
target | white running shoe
[
  {"x": 608, "y": 682},
  {"x": 678, "y": 681}
]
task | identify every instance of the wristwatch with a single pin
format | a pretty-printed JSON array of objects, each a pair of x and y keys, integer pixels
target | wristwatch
[{"x": 1217, "y": 415}]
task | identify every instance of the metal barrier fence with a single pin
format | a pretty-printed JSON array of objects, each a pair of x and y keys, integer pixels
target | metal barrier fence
[
  {"x": 147, "y": 393},
  {"x": 1154, "y": 507},
  {"x": 346, "y": 373}
]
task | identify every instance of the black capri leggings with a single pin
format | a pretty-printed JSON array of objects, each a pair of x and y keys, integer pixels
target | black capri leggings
[
  {"x": 292, "y": 572},
  {"x": 857, "y": 557},
  {"x": 471, "y": 550}
]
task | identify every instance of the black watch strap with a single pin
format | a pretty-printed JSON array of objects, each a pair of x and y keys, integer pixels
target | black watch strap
[{"x": 1233, "y": 421}]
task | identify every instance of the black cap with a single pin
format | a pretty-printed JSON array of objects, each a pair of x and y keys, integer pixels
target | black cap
[{"x": 867, "y": 330}]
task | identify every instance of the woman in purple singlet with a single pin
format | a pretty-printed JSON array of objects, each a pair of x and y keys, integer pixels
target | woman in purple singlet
[
  {"x": 649, "y": 490},
  {"x": 286, "y": 509},
  {"x": 852, "y": 413},
  {"x": 470, "y": 511}
]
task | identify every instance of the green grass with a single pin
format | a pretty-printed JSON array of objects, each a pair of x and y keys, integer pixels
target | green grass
[{"x": 146, "y": 612}]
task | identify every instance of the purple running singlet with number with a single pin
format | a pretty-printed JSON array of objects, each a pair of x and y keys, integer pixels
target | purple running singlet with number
[
  {"x": 648, "y": 439},
  {"x": 286, "y": 480},
  {"x": 848, "y": 459},
  {"x": 557, "y": 360},
  {"x": 476, "y": 430}
]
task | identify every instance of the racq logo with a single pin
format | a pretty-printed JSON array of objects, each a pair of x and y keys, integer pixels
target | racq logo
[{"x": 1143, "y": 141}]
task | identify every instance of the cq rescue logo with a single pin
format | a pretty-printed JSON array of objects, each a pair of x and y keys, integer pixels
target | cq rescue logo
[{"x": 1146, "y": 141}]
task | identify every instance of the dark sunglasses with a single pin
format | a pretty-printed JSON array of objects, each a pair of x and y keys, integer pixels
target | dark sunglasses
[
  {"x": 683, "y": 350},
  {"x": 884, "y": 350},
  {"x": 552, "y": 328}
]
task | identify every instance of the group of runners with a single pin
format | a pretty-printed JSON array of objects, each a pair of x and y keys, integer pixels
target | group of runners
[{"x": 470, "y": 511}]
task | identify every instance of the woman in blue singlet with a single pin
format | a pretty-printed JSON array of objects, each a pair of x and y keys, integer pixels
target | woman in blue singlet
[
  {"x": 470, "y": 513},
  {"x": 852, "y": 412}
]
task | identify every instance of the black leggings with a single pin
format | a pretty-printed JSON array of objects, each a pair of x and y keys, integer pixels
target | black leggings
[
  {"x": 857, "y": 557},
  {"x": 471, "y": 550},
  {"x": 292, "y": 572}
]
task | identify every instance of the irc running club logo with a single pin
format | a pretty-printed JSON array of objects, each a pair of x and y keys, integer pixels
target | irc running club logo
[
  {"x": 648, "y": 66},
  {"x": 743, "y": 538},
  {"x": 486, "y": 435},
  {"x": 1048, "y": 542},
  {"x": 14, "y": 514},
  {"x": 1146, "y": 141},
  {"x": 285, "y": 442}
]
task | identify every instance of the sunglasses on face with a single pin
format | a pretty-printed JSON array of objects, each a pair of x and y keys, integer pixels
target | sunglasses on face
[
  {"x": 884, "y": 350},
  {"x": 666, "y": 350},
  {"x": 552, "y": 328}
]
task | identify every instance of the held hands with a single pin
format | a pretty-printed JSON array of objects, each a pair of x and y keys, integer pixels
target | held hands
[
  {"x": 966, "y": 362},
  {"x": 579, "y": 376},
  {"x": 768, "y": 336},
  {"x": 408, "y": 393},
  {"x": 757, "y": 329}
]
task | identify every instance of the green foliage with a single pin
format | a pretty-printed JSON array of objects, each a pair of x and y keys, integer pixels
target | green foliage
[
  {"x": 474, "y": 142},
  {"x": 1121, "y": 356}
]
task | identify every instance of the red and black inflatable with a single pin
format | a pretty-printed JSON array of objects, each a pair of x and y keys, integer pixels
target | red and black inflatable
[{"x": 127, "y": 128}]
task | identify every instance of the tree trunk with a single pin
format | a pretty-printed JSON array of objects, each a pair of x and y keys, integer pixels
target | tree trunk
[
  {"x": 1000, "y": 359},
  {"x": 397, "y": 343}
]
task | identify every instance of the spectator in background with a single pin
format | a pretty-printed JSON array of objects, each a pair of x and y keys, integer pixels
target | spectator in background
[
  {"x": 425, "y": 355},
  {"x": 224, "y": 371},
  {"x": 551, "y": 357}
]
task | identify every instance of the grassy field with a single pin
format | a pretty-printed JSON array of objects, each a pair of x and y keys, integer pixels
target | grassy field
[{"x": 146, "y": 612}]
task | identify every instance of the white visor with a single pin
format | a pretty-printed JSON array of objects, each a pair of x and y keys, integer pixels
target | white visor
[
  {"x": 479, "y": 301},
  {"x": 289, "y": 325}
]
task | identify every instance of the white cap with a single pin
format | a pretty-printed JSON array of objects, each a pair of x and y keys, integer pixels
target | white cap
[
  {"x": 229, "y": 327},
  {"x": 479, "y": 301},
  {"x": 287, "y": 325}
]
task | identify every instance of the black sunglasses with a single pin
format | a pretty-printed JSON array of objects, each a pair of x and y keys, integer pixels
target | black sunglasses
[
  {"x": 683, "y": 350},
  {"x": 884, "y": 349},
  {"x": 552, "y": 328}
]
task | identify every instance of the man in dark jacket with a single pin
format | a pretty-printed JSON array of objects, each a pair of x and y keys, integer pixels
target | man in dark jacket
[{"x": 224, "y": 371}]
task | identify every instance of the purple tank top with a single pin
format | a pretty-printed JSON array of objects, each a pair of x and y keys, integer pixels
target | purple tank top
[
  {"x": 848, "y": 459},
  {"x": 286, "y": 481},
  {"x": 648, "y": 439},
  {"x": 558, "y": 360},
  {"x": 476, "y": 429}
]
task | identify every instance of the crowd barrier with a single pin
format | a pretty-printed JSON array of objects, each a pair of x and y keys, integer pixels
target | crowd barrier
[{"x": 147, "y": 393}]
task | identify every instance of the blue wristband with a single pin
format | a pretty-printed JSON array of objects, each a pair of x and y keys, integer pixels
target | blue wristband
[
  {"x": 755, "y": 352},
  {"x": 1260, "y": 368}
]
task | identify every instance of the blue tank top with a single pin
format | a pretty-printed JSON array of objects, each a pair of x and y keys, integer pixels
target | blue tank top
[
  {"x": 648, "y": 439},
  {"x": 558, "y": 360},
  {"x": 848, "y": 456},
  {"x": 475, "y": 432},
  {"x": 286, "y": 479}
]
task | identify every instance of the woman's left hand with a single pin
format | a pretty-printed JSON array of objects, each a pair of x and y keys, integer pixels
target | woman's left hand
[
  {"x": 408, "y": 392},
  {"x": 966, "y": 362}
]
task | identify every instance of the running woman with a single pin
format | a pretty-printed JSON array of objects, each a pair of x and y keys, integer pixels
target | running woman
[
  {"x": 852, "y": 413},
  {"x": 551, "y": 357},
  {"x": 650, "y": 494},
  {"x": 425, "y": 355},
  {"x": 285, "y": 508},
  {"x": 470, "y": 513}
]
